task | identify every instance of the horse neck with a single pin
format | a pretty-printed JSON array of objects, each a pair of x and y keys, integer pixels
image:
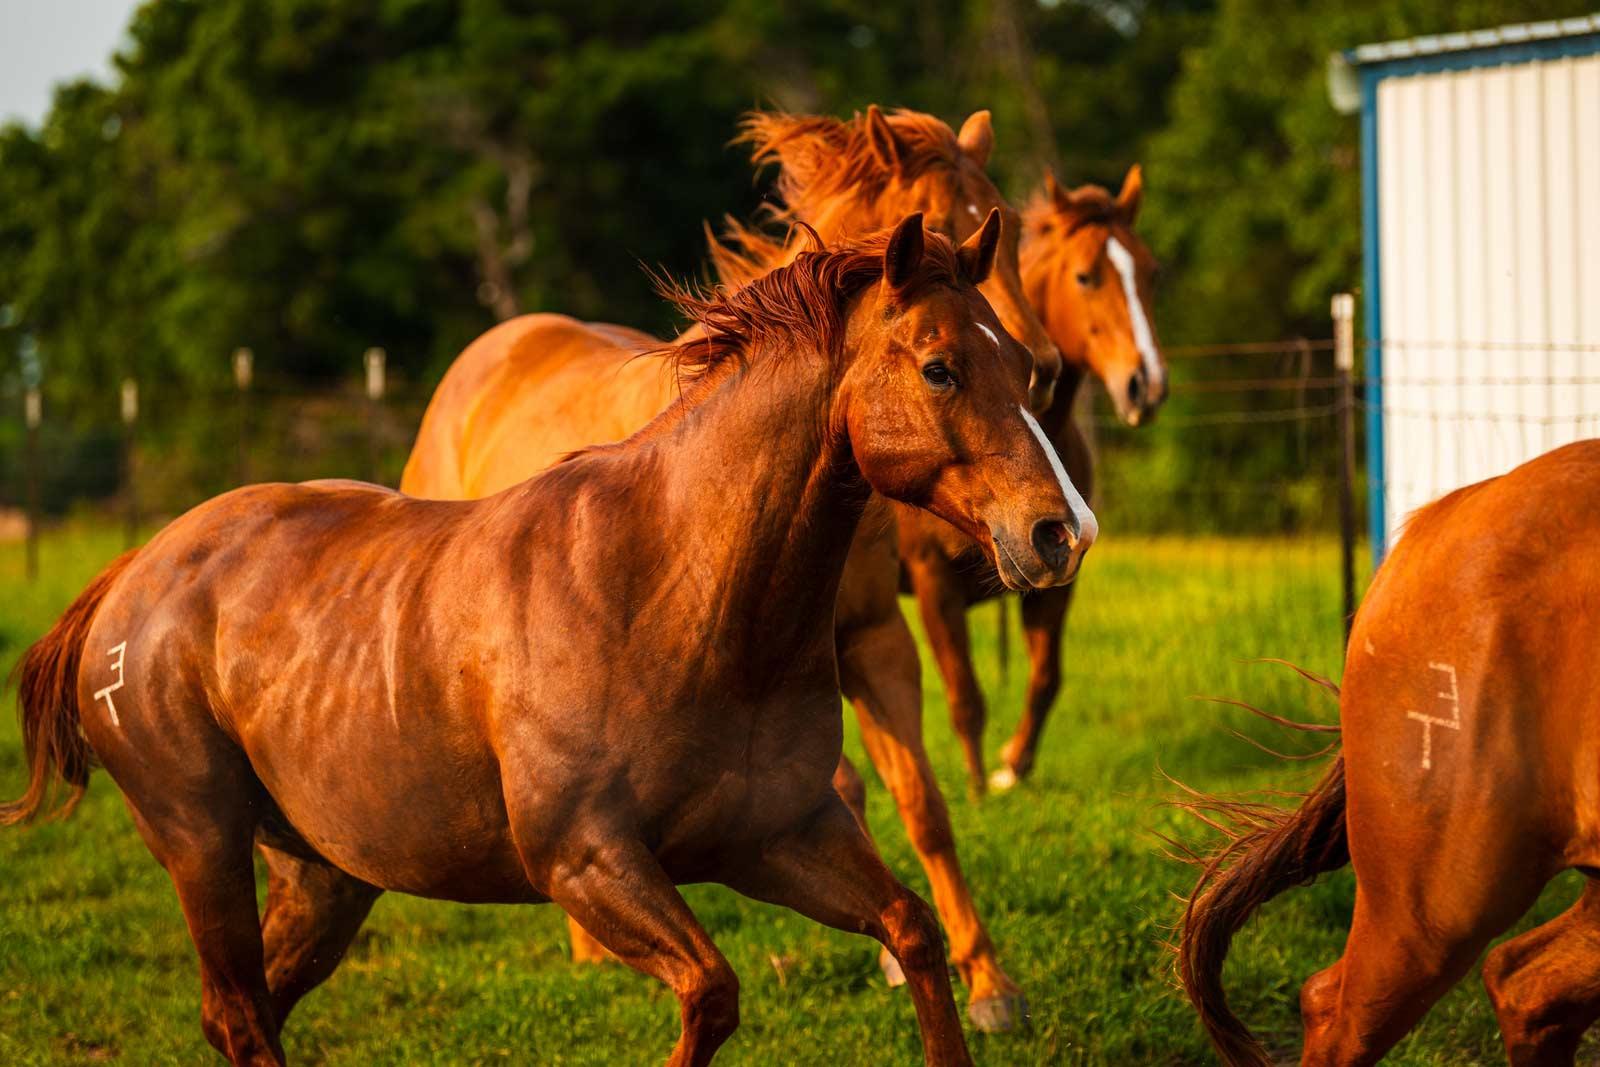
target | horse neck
[{"x": 765, "y": 498}]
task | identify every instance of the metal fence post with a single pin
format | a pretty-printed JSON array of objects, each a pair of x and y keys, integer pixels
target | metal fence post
[
  {"x": 130, "y": 415},
  {"x": 1344, "y": 362},
  {"x": 33, "y": 415},
  {"x": 375, "y": 361},
  {"x": 243, "y": 371}
]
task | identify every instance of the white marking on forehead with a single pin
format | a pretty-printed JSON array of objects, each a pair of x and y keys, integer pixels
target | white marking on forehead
[
  {"x": 1144, "y": 339},
  {"x": 989, "y": 334},
  {"x": 1088, "y": 525},
  {"x": 972, "y": 209}
]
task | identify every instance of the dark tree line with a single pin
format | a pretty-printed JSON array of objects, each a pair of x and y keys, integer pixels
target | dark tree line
[{"x": 310, "y": 177}]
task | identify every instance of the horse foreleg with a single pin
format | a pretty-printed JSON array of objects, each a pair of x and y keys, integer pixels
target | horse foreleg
[
  {"x": 827, "y": 870},
  {"x": 617, "y": 890},
  {"x": 313, "y": 913},
  {"x": 1545, "y": 985},
  {"x": 1043, "y": 616},
  {"x": 944, "y": 615},
  {"x": 879, "y": 672}
]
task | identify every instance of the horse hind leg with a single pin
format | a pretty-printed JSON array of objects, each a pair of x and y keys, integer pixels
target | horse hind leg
[
  {"x": 1545, "y": 985},
  {"x": 1043, "y": 616},
  {"x": 208, "y": 858},
  {"x": 944, "y": 617},
  {"x": 1420, "y": 923},
  {"x": 312, "y": 915}
]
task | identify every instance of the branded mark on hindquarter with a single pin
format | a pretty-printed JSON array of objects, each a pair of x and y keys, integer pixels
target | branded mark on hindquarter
[
  {"x": 120, "y": 651},
  {"x": 1452, "y": 697}
]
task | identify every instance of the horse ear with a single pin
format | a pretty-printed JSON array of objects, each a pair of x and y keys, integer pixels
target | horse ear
[
  {"x": 903, "y": 254},
  {"x": 1052, "y": 188},
  {"x": 977, "y": 137},
  {"x": 1132, "y": 193},
  {"x": 976, "y": 254},
  {"x": 881, "y": 136}
]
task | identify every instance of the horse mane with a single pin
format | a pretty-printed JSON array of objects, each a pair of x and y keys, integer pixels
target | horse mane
[
  {"x": 1047, "y": 223},
  {"x": 782, "y": 314},
  {"x": 743, "y": 253},
  {"x": 828, "y": 162},
  {"x": 1087, "y": 205},
  {"x": 797, "y": 307}
]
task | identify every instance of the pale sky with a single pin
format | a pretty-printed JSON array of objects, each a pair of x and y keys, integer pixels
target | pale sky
[{"x": 43, "y": 42}]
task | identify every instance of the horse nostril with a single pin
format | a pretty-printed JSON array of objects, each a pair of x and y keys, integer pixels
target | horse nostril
[
  {"x": 1136, "y": 386},
  {"x": 1053, "y": 540}
]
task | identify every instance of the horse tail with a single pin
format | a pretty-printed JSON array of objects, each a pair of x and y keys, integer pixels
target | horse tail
[
  {"x": 47, "y": 705},
  {"x": 1271, "y": 850}
]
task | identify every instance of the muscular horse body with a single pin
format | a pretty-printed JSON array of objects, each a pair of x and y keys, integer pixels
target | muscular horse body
[
  {"x": 539, "y": 386},
  {"x": 1470, "y": 776},
  {"x": 610, "y": 679}
]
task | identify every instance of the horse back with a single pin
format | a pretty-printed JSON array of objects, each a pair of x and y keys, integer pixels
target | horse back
[{"x": 527, "y": 393}]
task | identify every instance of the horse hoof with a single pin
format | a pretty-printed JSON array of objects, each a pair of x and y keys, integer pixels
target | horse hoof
[
  {"x": 891, "y": 970},
  {"x": 1002, "y": 779},
  {"x": 999, "y": 1015}
]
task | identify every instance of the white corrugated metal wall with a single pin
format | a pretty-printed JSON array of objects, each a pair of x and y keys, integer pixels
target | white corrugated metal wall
[{"x": 1489, "y": 245}]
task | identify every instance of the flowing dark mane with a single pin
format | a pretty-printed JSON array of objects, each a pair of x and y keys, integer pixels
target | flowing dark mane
[
  {"x": 825, "y": 159},
  {"x": 797, "y": 307}
]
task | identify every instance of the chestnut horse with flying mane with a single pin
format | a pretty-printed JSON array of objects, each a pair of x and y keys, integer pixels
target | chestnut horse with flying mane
[
  {"x": 1469, "y": 777},
  {"x": 613, "y": 678},
  {"x": 1089, "y": 277},
  {"x": 536, "y": 387}
]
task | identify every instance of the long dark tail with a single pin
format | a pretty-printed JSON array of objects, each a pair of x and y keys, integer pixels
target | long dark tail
[
  {"x": 47, "y": 705},
  {"x": 1268, "y": 849}
]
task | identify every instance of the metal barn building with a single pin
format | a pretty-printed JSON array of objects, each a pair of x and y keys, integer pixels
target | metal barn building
[{"x": 1480, "y": 157}]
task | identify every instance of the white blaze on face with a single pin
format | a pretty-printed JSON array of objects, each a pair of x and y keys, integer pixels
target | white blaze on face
[
  {"x": 990, "y": 335},
  {"x": 1088, "y": 525},
  {"x": 1144, "y": 339},
  {"x": 972, "y": 209}
]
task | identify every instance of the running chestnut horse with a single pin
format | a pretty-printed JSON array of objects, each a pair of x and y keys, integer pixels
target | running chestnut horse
[
  {"x": 536, "y": 387},
  {"x": 1089, "y": 276},
  {"x": 1469, "y": 777},
  {"x": 611, "y": 679}
]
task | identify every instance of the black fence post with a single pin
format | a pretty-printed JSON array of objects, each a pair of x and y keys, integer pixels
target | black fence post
[
  {"x": 375, "y": 361},
  {"x": 243, "y": 371},
  {"x": 1344, "y": 362},
  {"x": 33, "y": 415}
]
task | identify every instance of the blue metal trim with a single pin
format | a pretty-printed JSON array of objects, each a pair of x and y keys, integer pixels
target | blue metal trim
[
  {"x": 1585, "y": 44},
  {"x": 1372, "y": 281}
]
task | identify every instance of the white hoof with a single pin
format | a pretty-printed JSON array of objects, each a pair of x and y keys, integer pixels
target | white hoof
[{"x": 1002, "y": 779}]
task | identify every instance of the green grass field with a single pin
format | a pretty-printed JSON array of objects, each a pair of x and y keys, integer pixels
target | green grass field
[{"x": 95, "y": 963}]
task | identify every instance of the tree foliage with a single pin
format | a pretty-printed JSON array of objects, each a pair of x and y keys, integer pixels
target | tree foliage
[{"x": 310, "y": 178}]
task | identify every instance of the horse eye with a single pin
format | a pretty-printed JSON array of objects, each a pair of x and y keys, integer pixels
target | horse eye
[
  {"x": 938, "y": 375},
  {"x": 1084, "y": 279}
]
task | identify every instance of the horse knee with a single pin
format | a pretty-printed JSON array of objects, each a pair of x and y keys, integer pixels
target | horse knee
[
  {"x": 711, "y": 1003},
  {"x": 1319, "y": 1003},
  {"x": 913, "y": 934}
]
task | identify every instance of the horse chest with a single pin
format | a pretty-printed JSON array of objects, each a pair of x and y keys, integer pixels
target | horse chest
[{"x": 761, "y": 768}]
